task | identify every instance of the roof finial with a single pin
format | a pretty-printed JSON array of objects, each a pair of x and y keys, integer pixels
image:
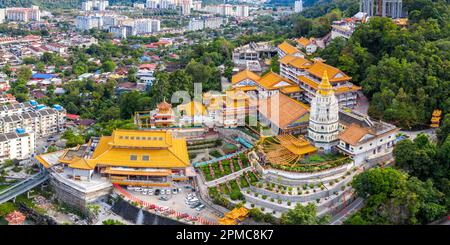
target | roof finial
[{"x": 325, "y": 87}]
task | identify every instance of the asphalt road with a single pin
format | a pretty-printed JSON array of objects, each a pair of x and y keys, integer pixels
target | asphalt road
[{"x": 340, "y": 217}]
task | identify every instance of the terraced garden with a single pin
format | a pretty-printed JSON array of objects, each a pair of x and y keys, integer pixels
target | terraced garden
[{"x": 225, "y": 167}]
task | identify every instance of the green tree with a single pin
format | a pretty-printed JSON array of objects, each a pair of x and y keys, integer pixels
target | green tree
[{"x": 303, "y": 215}]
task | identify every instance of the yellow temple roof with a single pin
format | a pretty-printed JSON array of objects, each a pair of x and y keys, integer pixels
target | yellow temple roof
[
  {"x": 335, "y": 75},
  {"x": 245, "y": 74},
  {"x": 287, "y": 48},
  {"x": 192, "y": 108},
  {"x": 135, "y": 149}
]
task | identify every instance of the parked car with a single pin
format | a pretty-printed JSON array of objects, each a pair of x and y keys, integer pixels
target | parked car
[
  {"x": 168, "y": 192},
  {"x": 163, "y": 192},
  {"x": 174, "y": 191},
  {"x": 200, "y": 208},
  {"x": 163, "y": 198},
  {"x": 157, "y": 192},
  {"x": 144, "y": 193}
]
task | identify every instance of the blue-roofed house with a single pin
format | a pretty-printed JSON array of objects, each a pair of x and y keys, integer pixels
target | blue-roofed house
[{"x": 42, "y": 76}]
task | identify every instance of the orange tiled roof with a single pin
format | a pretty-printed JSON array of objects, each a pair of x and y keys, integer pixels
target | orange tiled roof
[
  {"x": 289, "y": 109},
  {"x": 334, "y": 74},
  {"x": 291, "y": 89},
  {"x": 271, "y": 79},
  {"x": 303, "y": 41},
  {"x": 245, "y": 74},
  {"x": 297, "y": 62},
  {"x": 287, "y": 48},
  {"x": 353, "y": 134}
]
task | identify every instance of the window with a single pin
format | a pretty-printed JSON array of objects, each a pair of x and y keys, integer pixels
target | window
[
  {"x": 138, "y": 138},
  {"x": 120, "y": 137},
  {"x": 154, "y": 138},
  {"x": 160, "y": 138},
  {"x": 145, "y": 158},
  {"x": 132, "y": 137},
  {"x": 126, "y": 137},
  {"x": 133, "y": 157}
]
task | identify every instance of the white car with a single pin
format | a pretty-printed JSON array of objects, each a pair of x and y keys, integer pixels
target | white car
[
  {"x": 144, "y": 193},
  {"x": 168, "y": 192},
  {"x": 138, "y": 189},
  {"x": 193, "y": 200},
  {"x": 150, "y": 192},
  {"x": 163, "y": 192}
]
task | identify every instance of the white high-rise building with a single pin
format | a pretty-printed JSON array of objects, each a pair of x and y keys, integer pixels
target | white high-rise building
[
  {"x": 323, "y": 129},
  {"x": 197, "y": 5},
  {"x": 242, "y": 11},
  {"x": 16, "y": 145},
  {"x": 226, "y": 9},
  {"x": 186, "y": 7},
  {"x": 156, "y": 25},
  {"x": 98, "y": 5},
  {"x": 88, "y": 22},
  {"x": 23, "y": 14},
  {"x": 152, "y": 4},
  {"x": 298, "y": 7},
  {"x": 143, "y": 26},
  {"x": 2, "y": 15}
]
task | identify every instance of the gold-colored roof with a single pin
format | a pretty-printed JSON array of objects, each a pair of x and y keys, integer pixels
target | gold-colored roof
[
  {"x": 270, "y": 81},
  {"x": 138, "y": 172},
  {"x": 291, "y": 89},
  {"x": 297, "y": 62},
  {"x": 303, "y": 41},
  {"x": 134, "y": 149},
  {"x": 325, "y": 87},
  {"x": 335, "y": 75},
  {"x": 287, "y": 48},
  {"x": 243, "y": 75},
  {"x": 192, "y": 108}
]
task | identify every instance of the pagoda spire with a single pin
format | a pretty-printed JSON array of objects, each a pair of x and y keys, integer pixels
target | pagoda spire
[{"x": 325, "y": 87}]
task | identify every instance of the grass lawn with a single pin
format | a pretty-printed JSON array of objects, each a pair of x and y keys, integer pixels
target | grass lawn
[
  {"x": 252, "y": 176},
  {"x": 244, "y": 182},
  {"x": 224, "y": 189},
  {"x": 236, "y": 165},
  {"x": 234, "y": 185},
  {"x": 226, "y": 167},
  {"x": 206, "y": 172}
]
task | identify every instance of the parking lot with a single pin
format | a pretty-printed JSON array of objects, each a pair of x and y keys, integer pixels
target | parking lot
[{"x": 176, "y": 202}]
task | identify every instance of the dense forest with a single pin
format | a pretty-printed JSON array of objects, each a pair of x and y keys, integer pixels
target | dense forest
[{"x": 405, "y": 71}]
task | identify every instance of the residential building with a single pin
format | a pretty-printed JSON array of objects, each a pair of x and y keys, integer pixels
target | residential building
[
  {"x": 186, "y": 7},
  {"x": 156, "y": 26},
  {"x": 298, "y": 6},
  {"x": 23, "y": 14},
  {"x": 18, "y": 145},
  {"x": 88, "y": 22},
  {"x": 242, "y": 11},
  {"x": 384, "y": 8},
  {"x": 143, "y": 26},
  {"x": 31, "y": 117},
  {"x": 2, "y": 15},
  {"x": 94, "y": 5},
  {"x": 308, "y": 44}
]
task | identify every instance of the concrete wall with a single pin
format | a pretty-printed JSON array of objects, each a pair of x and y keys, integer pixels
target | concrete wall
[{"x": 130, "y": 213}]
